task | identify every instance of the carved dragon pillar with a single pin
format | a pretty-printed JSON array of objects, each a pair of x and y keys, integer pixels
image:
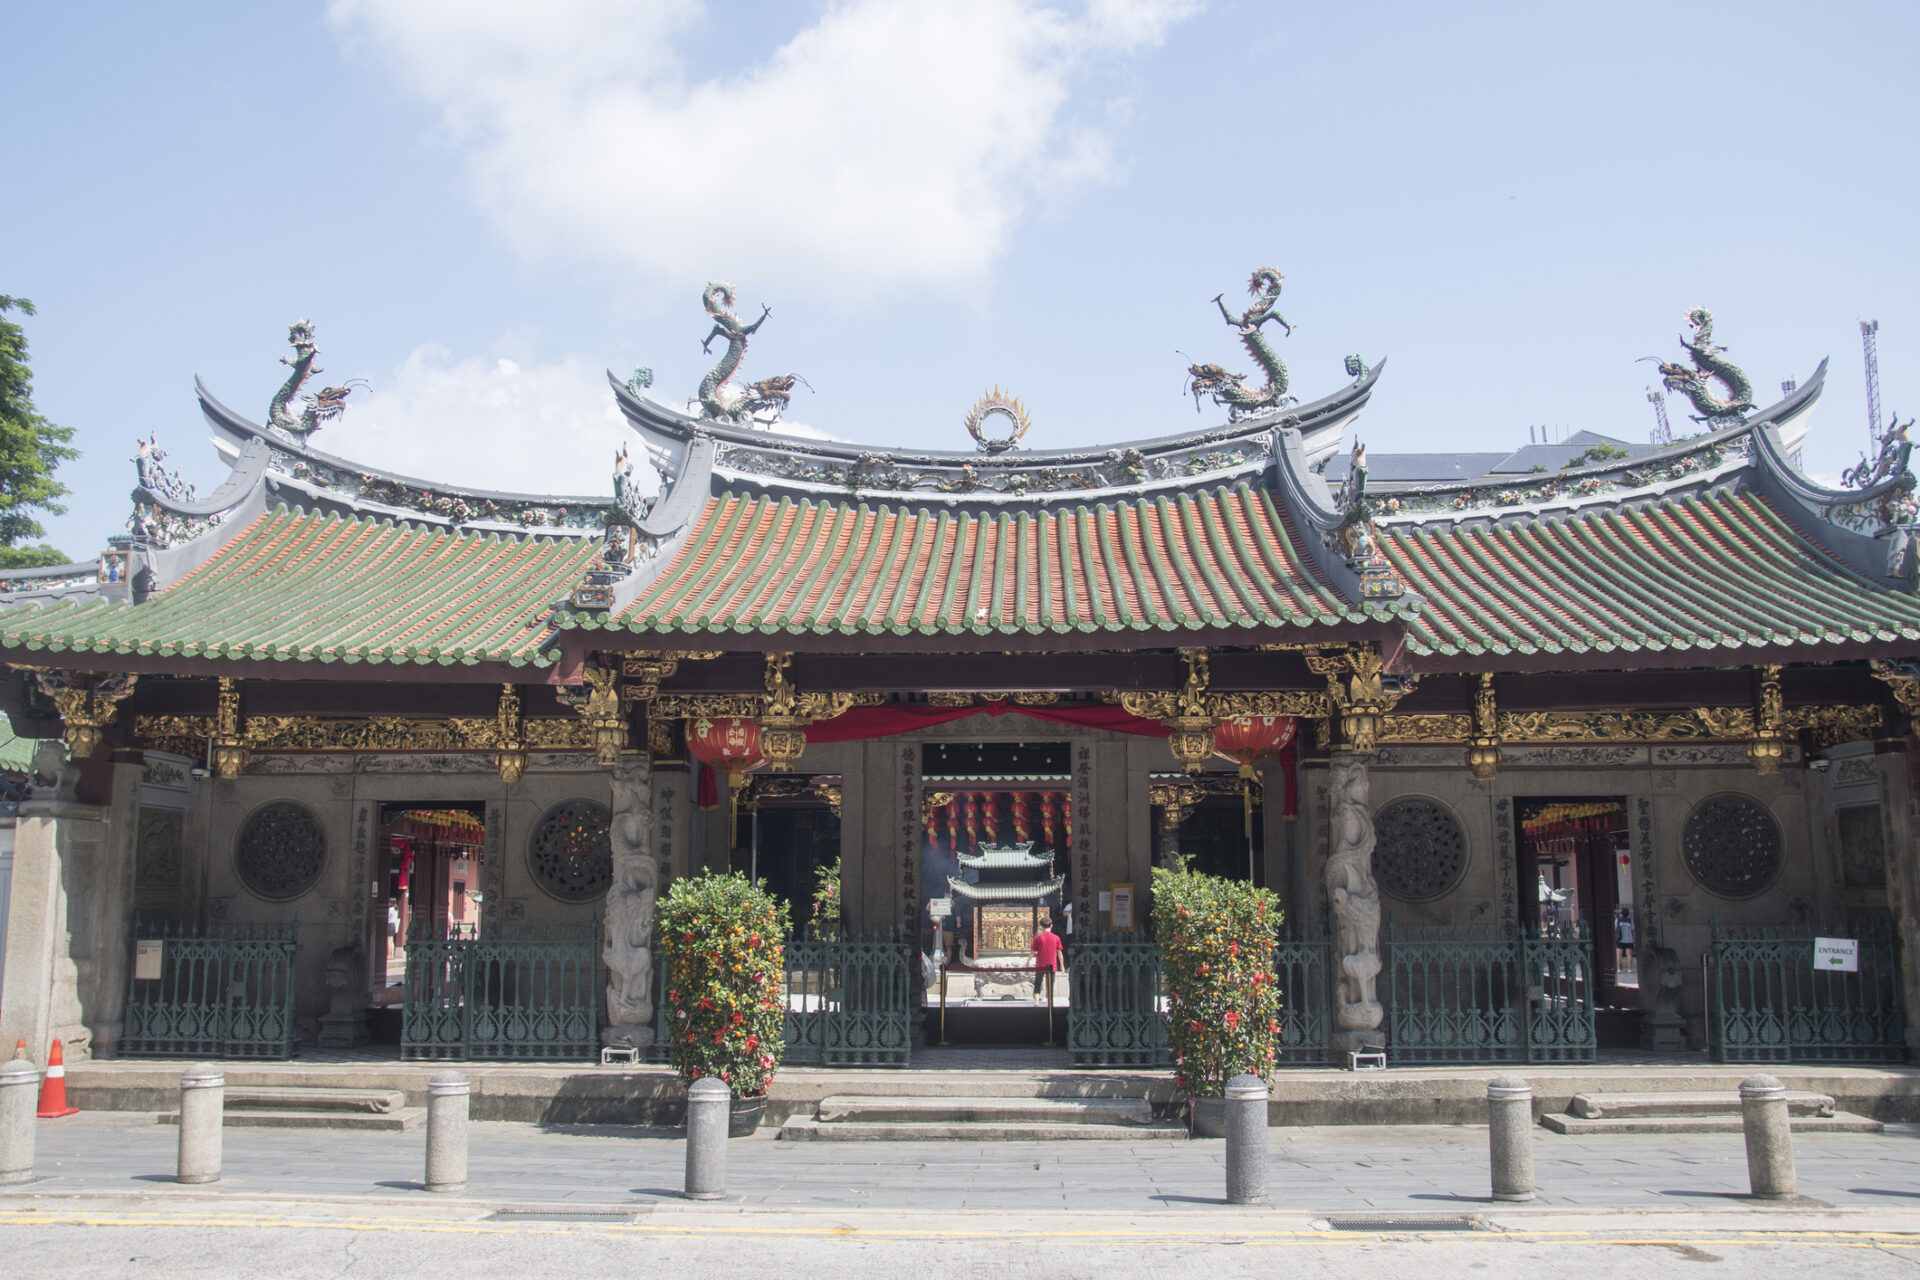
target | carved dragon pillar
[
  {"x": 628, "y": 946},
  {"x": 1360, "y": 693}
]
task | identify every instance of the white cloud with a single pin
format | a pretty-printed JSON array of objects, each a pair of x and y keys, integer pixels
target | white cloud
[
  {"x": 492, "y": 423},
  {"x": 890, "y": 144}
]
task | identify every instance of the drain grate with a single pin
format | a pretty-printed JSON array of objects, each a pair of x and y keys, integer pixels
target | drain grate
[
  {"x": 560, "y": 1214},
  {"x": 1402, "y": 1222}
]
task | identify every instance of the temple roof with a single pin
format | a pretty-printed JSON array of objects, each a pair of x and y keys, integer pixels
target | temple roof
[
  {"x": 1032, "y": 891},
  {"x": 309, "y": 586},
  {"x": 1226, "y": 536},
  {"x": 1000, "y": 857},
  {"x": 1220, "y": 559}
]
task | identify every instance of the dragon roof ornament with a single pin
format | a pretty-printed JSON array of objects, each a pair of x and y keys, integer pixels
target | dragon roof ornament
[
  {"x": 720, "y": 398},
  {"x": 320, "y": 407},
  {"x": 1230, "y": 389},
  {"x": 1709, "y": 365}
]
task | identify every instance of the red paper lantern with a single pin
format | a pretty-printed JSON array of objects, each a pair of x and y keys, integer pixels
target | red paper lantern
[
  {"x": 730, "y": 744},
  {"x": 1249, "y": 739}
]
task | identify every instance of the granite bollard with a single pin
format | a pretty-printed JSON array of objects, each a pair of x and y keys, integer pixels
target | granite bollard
[
  {"x": 1510, "y": 1137},
  {"x": 203, "y": 1104},
  {"x": 448, "y": 1095},
  {"x": 1246, "y": 1098},
  {"x": 708, "y": 1102},
  {"x": 1769, "y": 1134},
  {"x": 19, "y": 1093}
]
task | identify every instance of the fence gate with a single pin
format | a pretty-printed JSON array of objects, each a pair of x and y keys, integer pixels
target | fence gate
[
  {"x": 1306, "y": 1023},
  {"x": 1558, "y": 964},
  {"x": 1116, "y": 1010},
  {"x": 1487, "y": 994},
  {"x": 1769, "y": 1004},
  {"x": 851, "y": 1000},
  {"x": 223, "y": 992},
  {"x": 517, "y": 994}
]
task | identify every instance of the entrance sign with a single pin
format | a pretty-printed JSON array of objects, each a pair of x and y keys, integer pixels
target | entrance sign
[
  {"x": 1123, "y": 907},
  {"x": 147, "y": 957},
  {"x": 1836, "y": 955}
]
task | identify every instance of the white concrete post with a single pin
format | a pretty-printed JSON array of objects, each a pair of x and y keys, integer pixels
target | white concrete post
[
  {"x": 1763, "y": 1119},
  {"x": 708, "y": 1102},
  {"x": 448, "y": 1098},
  {"x": 19, "y": 1090},
  {"x": 1246, "y": 1140},
  {"x": 203, "y": 1100},
  {"x": 1510, "y": 1137}
]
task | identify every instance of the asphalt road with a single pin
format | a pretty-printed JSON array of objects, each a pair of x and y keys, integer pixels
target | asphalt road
[{"x": 222, "y": 1237}]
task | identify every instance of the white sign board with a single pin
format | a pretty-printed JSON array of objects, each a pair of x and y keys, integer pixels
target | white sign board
[
  {"x": 1106, "y": 900},
  {"x": 146, "y": 960},
  {"x": 939, "y": 908},
  {"x": 1122, "y": 908},
  {"x": 1837, "y": 955}
]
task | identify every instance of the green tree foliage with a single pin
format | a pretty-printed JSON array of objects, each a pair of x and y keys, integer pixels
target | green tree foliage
[
  {"x": 721, "y": 939},
  {"x": 1216, "y": 944},
  {"x": 30, "y": 449}
]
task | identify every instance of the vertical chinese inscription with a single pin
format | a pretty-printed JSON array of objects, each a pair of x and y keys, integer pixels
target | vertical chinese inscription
[
  {"x": 1646, "y": 921},
  {"x": 360, "y": 876},
  {"x": 665, "y": 832},
  {"x": 910, "y": 837},
  {"x": 493, "y": 864},
  {"x": 1503, "y": 836},
  {"x": 1083, "y": 829}
]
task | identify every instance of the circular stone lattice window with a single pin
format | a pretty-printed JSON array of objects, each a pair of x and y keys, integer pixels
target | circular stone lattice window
[
  {"x": 572, "y": 851},
  {"x": 281, "y": 851},
  {"x": 1732, "y": 846},
  {"x": 1419, "y": 850}
]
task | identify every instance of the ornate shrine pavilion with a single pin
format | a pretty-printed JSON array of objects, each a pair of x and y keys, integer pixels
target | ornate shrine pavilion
[{"x": 1479, "y": 723}]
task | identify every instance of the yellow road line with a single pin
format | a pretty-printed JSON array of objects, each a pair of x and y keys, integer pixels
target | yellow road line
[{"x": 1172, "y": 1234}]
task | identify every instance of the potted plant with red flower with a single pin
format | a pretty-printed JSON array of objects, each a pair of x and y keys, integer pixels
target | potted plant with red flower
[
  {"x": 1216, "y": 949},
  {"x": 721, "y": 940}
]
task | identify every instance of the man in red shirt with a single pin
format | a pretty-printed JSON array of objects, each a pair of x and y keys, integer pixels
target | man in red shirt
[{"x": 1046, "y": 952}]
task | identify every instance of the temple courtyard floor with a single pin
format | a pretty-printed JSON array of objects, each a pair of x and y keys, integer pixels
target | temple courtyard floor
[{"x": 550, "y": 1199}]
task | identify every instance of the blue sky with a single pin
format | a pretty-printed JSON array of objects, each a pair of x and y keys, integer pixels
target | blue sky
[{"x": 482, "y": 204}]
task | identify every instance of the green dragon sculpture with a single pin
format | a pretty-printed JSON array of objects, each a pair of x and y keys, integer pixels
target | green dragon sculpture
[
  {"x": 319, "y": 408},
  {"x": 1230, "y": 389},
  {"x": 1708, "y": 366},
  {"x": 719, "y": 399}
]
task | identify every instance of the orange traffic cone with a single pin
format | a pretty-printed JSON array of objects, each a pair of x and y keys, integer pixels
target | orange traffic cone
[{"x": 53, "y": 1090}]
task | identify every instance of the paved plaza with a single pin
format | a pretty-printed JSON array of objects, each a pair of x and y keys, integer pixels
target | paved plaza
[{"x": 1426, "y": 1169}]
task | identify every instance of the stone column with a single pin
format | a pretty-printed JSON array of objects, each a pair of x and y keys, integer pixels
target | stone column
[
  {"x": 628, "y": 945},
  {"x": 40, "y": 998},
  {"x": 1356, "y": 905}
]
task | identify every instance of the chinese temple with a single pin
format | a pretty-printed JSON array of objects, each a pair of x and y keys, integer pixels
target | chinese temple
[{"x": 1696, "y": 662}]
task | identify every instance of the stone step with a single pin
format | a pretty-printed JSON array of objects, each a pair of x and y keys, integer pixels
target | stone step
[
  {"x": 805, "y": 1129},
  {"x": 1576, "y": 1126},
  {"x": 945, "y": 1109},
  {"x": 405, "y": 1119},
  {"x": 1716, "y": 1102},
  {"x": 313, "y": 1098}
]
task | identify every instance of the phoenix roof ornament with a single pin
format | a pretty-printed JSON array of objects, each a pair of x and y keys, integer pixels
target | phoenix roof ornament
[
  {"x": 1230, "y": 389},
  {"x": 721, "y": 400},
  {"x": 321, "y": 407}
]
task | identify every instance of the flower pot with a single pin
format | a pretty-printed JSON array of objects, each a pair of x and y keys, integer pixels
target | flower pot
[
  {"x": 744, "y": 1116},
  {"x": 1206, "y": 1117}
]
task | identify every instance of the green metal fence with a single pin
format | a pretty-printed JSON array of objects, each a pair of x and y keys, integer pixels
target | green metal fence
[
  {"x": 1306, "y": 1020},
  {"x": 224, "y": 992},
  {"x": 1488, "y": 994},
  {"x": 1767, "y": 1002},
  {"x": 528, "y": 993},
  {"x": 851, "y": 1001},
  {"x": 1116, "y": 1015}
]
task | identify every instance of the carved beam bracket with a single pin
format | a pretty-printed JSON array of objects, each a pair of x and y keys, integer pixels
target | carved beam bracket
[
  {"x": 1483, "y": 749},
  {"x": 511, "y": 759},
  {"x": 597, "y": 701},
  {"x": 1768, "y": 747},
  {"x": 87, "y": 702},
  {"x": 1361, "y": 689}
]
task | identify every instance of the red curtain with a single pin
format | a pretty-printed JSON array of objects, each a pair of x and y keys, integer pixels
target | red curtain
[
  {"x": 708, "y": 795},
  {"x": 883, "y": 722}
]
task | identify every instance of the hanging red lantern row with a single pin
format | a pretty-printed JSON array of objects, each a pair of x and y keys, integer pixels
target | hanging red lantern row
[
  {"x": 1023, "y": 817},
  {"x": 1046, "y": 819}
]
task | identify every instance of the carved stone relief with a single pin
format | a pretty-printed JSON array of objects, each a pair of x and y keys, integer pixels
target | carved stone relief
[
  {"x": 281, "y": 851},
  {"x": 1420, "y": 851},
  {"x": 1355, "y": 898},
  {"x": 570, "y": 852},
  {"x": 630, "y": 906},
  {"x": 158, "y": 856},
  {"x": 1732, "y": 846}
]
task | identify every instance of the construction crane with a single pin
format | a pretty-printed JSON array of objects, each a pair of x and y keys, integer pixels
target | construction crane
[
  {"x": 1870, "y": 343},
  {"x": 1662, "y": 434}
]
